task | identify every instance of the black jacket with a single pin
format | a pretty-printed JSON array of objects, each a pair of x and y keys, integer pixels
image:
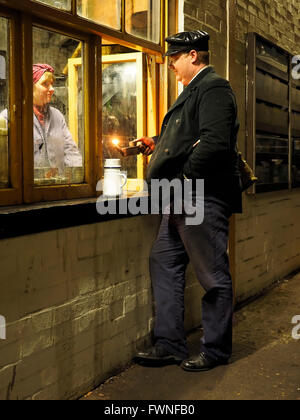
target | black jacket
[{"x": 206, "y": 111}]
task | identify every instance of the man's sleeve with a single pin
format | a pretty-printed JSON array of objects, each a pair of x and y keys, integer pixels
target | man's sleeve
[{"x": 216, "y": 117}]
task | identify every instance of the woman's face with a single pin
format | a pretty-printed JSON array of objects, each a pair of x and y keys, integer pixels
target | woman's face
[{"x": 43, "y": 90}]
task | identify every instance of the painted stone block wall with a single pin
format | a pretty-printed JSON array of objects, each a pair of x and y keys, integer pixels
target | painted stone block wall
[
  {"x": 77, "y": 304},
  {"x": 268, "y": 232},
  {"x": 210, "y": 16}
]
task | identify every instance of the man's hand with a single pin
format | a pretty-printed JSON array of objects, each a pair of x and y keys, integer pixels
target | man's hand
[{"x": 147, "y": 145}]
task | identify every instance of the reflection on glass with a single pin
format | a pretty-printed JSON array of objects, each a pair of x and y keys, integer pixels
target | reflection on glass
[
  {"x": 120, "y": 111},
  {"x": 59, "y": 4},
  {"x": 272, "y": 159},
  {"x": 4, "y": 102},
  {"x": 143, "y": 19},
  {"x": 57, "y": 109},
  {"x": 101, "y": 12}
]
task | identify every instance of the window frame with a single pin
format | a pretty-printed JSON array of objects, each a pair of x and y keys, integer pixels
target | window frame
[
  {"x": 85, "y": 25},
  {"x": 59, "y": 192},
  {"x": 124, "y": 29},
  {"x": 23, "y": 18},
  {"x": 251, "y": 126},
  {"x": 133, "y": 184},
  {"x": 13, "y": 194}
]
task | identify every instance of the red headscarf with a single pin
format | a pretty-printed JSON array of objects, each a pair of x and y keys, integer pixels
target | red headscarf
[{"x": 39, "y": 69}]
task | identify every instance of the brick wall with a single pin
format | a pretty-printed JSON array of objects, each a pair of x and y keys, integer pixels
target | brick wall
[
  {"x": 78, "y": 304},
  {"x": 210, "y": 16},
  {"x": 274, "y": 19},
  {"x": 268, "y": 232},
  {"x": 267, "y": 241}
]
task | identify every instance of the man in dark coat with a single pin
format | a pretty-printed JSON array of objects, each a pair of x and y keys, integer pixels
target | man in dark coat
[{"x": 197, "y": 141}]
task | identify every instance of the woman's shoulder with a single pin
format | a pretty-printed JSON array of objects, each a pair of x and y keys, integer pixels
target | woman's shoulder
[{"x": 56, "y": 113}]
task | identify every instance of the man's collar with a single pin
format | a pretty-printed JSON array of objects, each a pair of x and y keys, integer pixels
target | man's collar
[{"x": 203, "y": 68}]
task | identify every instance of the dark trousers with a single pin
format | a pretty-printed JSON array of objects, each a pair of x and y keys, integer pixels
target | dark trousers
[{"x": 205, "y": 246}]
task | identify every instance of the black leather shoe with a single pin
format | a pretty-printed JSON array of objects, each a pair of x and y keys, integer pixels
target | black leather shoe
[
  {"x": 157, "y": 355},
  {"x": 201, "y": 363}
]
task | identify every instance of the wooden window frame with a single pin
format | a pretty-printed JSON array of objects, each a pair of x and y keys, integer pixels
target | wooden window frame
[
  {"x": 72, "y": 20},
  {"x": 251, "y": 112},
  {"x": 13, "y": 194},
  {"x": 133, "y": 184},
  {"x": 34, "y": 193},
  {"x": 23, "y": 17}
]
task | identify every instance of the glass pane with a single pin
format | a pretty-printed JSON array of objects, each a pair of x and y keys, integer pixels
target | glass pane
[
  {"x": 143, "y": 19},
  {"x": 271, "y": 55},
  {"x": 119, "y": 109},
  {"x": 4, "y": 103},
  {"x": 272, "y": 157},
  {"x": 58, "y": 118},
  {"x": 272, "y": 117},
  {"x": 59, "y": 4},
  {"x": 102, "y": 12}
]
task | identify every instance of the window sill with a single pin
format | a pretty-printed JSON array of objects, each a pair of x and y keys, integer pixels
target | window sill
[{"x": 42, "y": 217}]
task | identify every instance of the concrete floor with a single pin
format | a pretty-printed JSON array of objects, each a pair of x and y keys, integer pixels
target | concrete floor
[{"x": 265, "y": 363}]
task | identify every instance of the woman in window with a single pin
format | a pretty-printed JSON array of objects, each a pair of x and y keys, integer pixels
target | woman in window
[{"x": 54, "y": 146}]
